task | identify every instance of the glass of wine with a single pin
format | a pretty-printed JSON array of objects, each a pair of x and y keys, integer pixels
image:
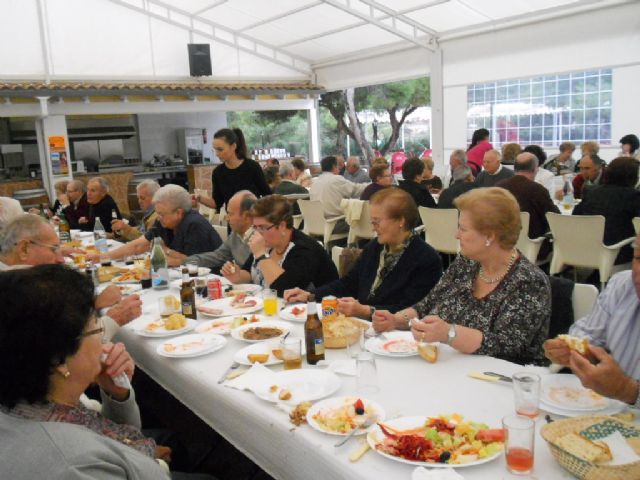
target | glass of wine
[
  {"x": 519, "y": 443},
  {"x": 526, "y": 393}
]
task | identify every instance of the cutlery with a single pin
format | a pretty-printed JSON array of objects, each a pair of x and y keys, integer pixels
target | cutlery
[
  {"x": 366, "y": 424},
  {"x": 232, "y": 367},
  {"x": 500, "y": 377}
]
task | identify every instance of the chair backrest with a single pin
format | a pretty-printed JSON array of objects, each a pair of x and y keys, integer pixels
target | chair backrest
[
  {"x": 440, "y": 227},
  {"x": 222, "y": 218},
  {"x": 222, "y": 231},
  {"x": 584, "y": 298},
  {"x": 313, "y": 215},
  {"x": 335, "y": 256},
  {"x": 636, "y": 224},
  {"x": 526, "y": 245},
  {"x": 361, "y": 228},
  {"x": 577, "y": 239}
]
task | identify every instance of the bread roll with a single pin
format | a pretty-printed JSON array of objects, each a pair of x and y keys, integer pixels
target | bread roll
[{"x": 258, "y": 357}]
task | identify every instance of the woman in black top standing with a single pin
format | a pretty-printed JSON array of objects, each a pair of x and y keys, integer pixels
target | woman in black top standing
[{"x": 237, "y": 171}]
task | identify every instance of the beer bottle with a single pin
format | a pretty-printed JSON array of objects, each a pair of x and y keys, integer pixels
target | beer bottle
[
  {"x": 314, "y": 338},
  {"x": 188, "y": 296},
  {"x": 64, "y": 229},
  {"x": 159, "y": 270}
]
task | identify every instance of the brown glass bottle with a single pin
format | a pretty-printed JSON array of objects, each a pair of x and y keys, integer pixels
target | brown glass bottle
[
  {"x": 188, "y": 296},
  {"x": 314, "y": 337}
]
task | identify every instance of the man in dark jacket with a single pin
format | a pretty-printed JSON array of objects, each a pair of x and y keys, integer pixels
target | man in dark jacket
[
  {"x": 463, "y": 181},
  {"x": 412, "y": 171},
  {"x": 101, "y": 205}
]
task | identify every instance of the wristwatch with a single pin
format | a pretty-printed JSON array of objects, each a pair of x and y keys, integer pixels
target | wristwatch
[
  {"x": 264, "y": 256},
  {"x": 451, "y": 335}
]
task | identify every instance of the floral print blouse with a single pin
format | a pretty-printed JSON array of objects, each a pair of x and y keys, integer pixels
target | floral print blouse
[{"x": 513, "y": 318}]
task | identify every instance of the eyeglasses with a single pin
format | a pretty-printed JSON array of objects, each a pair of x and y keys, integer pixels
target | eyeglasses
[
  {"x": 263, "y": 228},
  {"x": 54, "y": 248},
  {"x": 95, "y": 331}
]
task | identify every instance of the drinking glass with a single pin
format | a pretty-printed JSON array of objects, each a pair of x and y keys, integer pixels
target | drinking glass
[
  {"x": 526, "y": 393},
  {"x": 201, "y": 287},
  {"x": 367, "y": 382},
  {"x": 291, "y": 353},
  {"x": 168, "y": 305},
  {"x": 355, "y": 348},
  {"x": 192, "y": 265},
  {"x": 270, "y": 302},
  {"x": 519, "y": 443}
]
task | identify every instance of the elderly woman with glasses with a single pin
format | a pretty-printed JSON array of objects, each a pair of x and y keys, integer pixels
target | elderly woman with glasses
[
  {"x": 183, "y": 230},
  {"x": 395, "y": 269},
  {"x": 53, "y": 351},
  {"x": 281, "y": 256}
]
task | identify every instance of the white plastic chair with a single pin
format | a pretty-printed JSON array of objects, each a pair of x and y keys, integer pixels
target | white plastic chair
[
  {"x": 362, "y": 227},
  {"x": 222, "y": 231},
  {"x": 583, "y": 300},
  {"x": 577, "y": 241},
  {"x": 440, "y": 227},
  {"x": 297, "y": 220},
  {"x": 335, "y": 256},
  {"x": 636, "y": 224},
  {"x": 222, "y": 218},
  {"x": 316, "y": 225},
  {"x": 530, "y": 247}
]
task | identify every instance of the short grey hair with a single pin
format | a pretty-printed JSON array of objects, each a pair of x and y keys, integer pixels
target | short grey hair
[
  {"x": 78, "y": 185},
  {"x": 497, "y": 153},
  {"x": 461, "y": 173},
  {"x": 286, "y": 170},
  {"x": 354, "y": 160},
  {"x": 460, "y": 155},
  {"x": 526, "y": 162},
  {"x": 151, "y": 186},
  {"x": 21, "y": 228},
  {"x": 174, "y": 195},
  {"x": 10, "y": 208},
  {"x": 102, "y": 181}
]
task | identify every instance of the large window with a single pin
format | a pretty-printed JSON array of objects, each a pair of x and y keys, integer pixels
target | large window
[{"x": 543, "y": 110}]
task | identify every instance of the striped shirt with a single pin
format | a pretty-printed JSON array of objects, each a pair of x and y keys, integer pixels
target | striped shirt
[{"x": 614, "y": 323}]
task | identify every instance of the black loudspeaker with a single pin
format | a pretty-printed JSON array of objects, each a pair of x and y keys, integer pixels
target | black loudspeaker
[{"x": 199, "y": 59}]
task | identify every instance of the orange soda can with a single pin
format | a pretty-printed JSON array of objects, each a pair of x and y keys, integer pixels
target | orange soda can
[{"x": 329, "y": 306}]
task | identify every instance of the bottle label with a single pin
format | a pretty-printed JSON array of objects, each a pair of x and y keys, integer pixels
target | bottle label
[
  {"x": 318, "y": 346},
  {"x": 187, "y": 308}
]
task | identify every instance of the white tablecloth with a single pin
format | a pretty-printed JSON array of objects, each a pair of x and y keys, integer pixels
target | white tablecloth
[{"x": 409, "y": 386}]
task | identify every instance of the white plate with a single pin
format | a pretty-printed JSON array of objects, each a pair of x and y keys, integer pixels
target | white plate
[
  {"x": 261, "y": 347},
  {"x": 336, "y": 402},
  {"x": 375, "y": 436},
  {"x": 163, "y": 332},
  {"x": 287, "y": 314},
  {"x": 305, "y": 385},
  {"x": 377, "y": 345},
  {"x": 565, "y": 391},
  {"x": 226, "y": 310},
  {"x": 192, "y": 345},
  {"x": 250, "y": 288},
  {"x": 237, "y": 333},
  {"x": 614, "y": 407}
]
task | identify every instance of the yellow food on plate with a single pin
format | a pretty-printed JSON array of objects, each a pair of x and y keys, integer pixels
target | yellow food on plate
[
  {"x": 258, "y": 357},
  {"x": 581, "y": 447},
  {"x": 298, "y": 415},
  {"x": 285, "y": 395},
  {"x": 175, "y": 321},
  {"x": 168, "y": 347},
  {"x": 273, "y": 388},
  {"x": 428, "y": 352},
  {"x": 340, "y": 331},
  {"x": 172, "y": 302},
  {"x": 277, "y": 352}
]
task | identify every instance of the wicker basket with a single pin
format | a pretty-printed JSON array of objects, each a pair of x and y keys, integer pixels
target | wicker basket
[
  {"x": 579, "y": 467},
  {"x": 351, "y": 335}
]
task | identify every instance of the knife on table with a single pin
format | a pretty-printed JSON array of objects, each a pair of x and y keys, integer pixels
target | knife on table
[
  {"x": 499, "y": 376},
  {"x": 233, "y": 366}
]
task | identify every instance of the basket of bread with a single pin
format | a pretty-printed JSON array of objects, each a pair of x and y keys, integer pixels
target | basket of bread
[
  {"x": 340, "y": 331},
  {"x": 596, "y": 447}
]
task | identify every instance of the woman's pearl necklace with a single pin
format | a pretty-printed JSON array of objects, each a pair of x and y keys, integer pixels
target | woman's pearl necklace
[{"x": 496, "y": 279}]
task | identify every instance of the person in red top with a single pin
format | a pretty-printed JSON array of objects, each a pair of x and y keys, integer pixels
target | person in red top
[{"x": 479, "y": 146}]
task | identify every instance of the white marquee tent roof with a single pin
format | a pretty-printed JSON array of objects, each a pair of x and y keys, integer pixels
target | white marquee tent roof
[{"x": 283, "y": 40}]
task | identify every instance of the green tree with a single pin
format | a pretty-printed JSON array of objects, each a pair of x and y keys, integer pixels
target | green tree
[{"x": 398, "y": 100}]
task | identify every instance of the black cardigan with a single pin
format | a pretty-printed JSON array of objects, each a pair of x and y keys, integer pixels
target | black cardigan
[
  {"x": 307, "y": 264},
  {"x": 413, "y": 277}
]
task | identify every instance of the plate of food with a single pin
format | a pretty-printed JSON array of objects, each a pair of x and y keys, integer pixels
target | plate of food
[
  {"x": 191, "y": 345},
  {"x": 229, "y": 306},
  {"x": 395, "y": 344},
  {"x": 302, "y": 385},
  {"x": 294, "y": 313},
  {"x": 341, "y": 415},
  {"x": 129, "y": 289},
  {"x": 174, "y": 324},
  {"x": 261, "y": 331},
  {"x": 443, "y": 441},
  {"x": 224, "y": 325},
  {"x": 130, "y": 276},
  {"x": 267, "y": 353},
  {"x": 565, "y": 391},
  {"x": 243, "y": 289}
]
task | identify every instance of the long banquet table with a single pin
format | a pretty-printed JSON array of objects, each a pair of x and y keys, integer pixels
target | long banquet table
[{"x": 409, "y": 387}]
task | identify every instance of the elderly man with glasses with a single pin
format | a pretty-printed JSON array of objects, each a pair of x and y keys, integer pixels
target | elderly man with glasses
[
  {"x": 183, "y": 230},
  {"x": 28, "y": 241}
]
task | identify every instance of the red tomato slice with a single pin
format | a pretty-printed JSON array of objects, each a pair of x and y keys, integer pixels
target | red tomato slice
[{"x": 491, "y": 435}]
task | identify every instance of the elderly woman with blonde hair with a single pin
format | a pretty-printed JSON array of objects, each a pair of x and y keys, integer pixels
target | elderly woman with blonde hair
[{"x": 491, "y": 300}]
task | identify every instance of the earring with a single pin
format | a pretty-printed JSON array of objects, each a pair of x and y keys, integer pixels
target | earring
[
  {"x": 67, "y": 374},
  {"x": 487, "y": 243}
]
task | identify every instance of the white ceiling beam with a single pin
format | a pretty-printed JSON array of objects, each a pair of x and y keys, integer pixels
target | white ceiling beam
[
  {"x": 371, "y": 19},
  {"x": 282, "y": 15},
  {"x": 399, "y": 17},
  {"x": 272, "y": 54},
  {"x": 359, "y": 24},
  {"x": 209, "y": 7}
]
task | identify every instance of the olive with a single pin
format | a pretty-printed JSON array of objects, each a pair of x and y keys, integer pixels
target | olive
[
  {"x": 444, "y": 457},
  {"x": 360, "y": 410}
]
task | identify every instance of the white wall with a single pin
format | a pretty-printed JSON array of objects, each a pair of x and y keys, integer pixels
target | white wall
[{"x": 157, "y": 132}]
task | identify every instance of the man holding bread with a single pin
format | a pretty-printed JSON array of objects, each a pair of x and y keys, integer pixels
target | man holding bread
[{"x": 612, "y": 326}]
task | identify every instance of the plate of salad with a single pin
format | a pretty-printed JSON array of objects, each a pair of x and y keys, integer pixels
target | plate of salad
[
  {"x": 341, "y": 415},
  {"x": 443, "y": 441}
]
